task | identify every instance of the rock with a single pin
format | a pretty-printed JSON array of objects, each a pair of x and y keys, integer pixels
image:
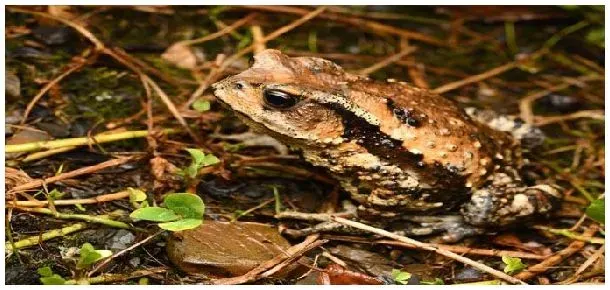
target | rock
[
  {"x": 468, "y": 274},
  {"x": 224, "y": 249},
  {"x": 121, "y": 240},
  {"x": 53, "y": 35},
  {"x": 26, "y": 52},
  {"x": 134, "y": 262},
  {"x": 12, "y": 85}
]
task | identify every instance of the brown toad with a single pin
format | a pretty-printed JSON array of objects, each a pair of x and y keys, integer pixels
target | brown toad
[{"x": 397, "y": 149}]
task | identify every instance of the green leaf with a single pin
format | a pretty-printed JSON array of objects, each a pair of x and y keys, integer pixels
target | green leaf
[
  {"x": 89, "y": 255},
  {"x": 200, "y": 160},
  {"x": 513, "y": 265},
  {"x": 436, "y": 281},
  {"x": 185, "y": 204},
  {"x": 596, "y": 210},
  {"x": 197, "y": 155},
  {"x": 181, "y": 225},
  {"x": 53, "y": 280},
  {"x": 154, "y": 214},
  {"x": 56, "y": 194},
  {"x": 596, "y": 36},
  {"x": 210, "y": 159},
  {"x": 45, "y": 271},
  {"x": 401, "y": 277},
  {"x": 136, "y": 195},
  {"x": 201, "y": 105}
]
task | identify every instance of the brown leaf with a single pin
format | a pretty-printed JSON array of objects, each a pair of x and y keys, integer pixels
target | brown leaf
[
  {"x": 181, "y": 56},
  {"x": 335, "y": 274},
  {"x": 225, "y": 249},
  {"x": 14, "y": 177}
]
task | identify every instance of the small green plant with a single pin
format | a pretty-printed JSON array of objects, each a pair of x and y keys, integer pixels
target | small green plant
[
  {"x": 401, "y": 277},
  {"x": 199, "y": 161},
  {"x": 596, "y": 210},
  {"x": 89, "y": 255},
  {"x": 182, "y": 211},
  {"x": 201, "y": 106},
  {"x": 47, "y": 277},
  {"x": 137, "y": 198},
  {"x": 513, "y": 265}
]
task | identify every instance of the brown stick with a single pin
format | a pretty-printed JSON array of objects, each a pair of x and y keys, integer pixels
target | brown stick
[
  {"x": 431, "y": 248},
  {"x": 85, "y": 170},
  {"x": 453, "y": 248},
  {"x": 525, "y": 103},
  {"x": 593, "y": 114},
  {"x": 291, "y": 253},
  {"x": 387, "y": 61},
  {"x": 542, "y": 267}
]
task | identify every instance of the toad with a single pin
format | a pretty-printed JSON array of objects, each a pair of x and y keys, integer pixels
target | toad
[{"x": 398, "y": 150}]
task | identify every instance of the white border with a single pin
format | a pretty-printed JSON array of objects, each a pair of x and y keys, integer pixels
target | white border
[{"x": 297, "y": 2}]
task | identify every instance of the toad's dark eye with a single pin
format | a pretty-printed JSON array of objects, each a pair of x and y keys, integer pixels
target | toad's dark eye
[{"x": 279, "y": 99}]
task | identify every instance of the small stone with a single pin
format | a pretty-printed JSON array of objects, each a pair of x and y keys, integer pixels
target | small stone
[
  {"x": 53, "y": 35},
  {"x": 469, "y": 274},
  {"x": 12, "y": 85},
  {"x": 134, "y": 262},
  {"x": 121, "y": 240}
]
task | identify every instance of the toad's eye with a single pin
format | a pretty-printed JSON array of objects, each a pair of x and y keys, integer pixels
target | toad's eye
[
  {"x": 278, "y": 99},
  {"x": 239, "y": 85}
]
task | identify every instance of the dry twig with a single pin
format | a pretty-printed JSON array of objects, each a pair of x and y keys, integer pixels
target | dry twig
[
  {"x": 85, "y": 170},
  {"x": 387, "y": 61},
  {"x": 545, "y": 265},
  {"x": 429, "y": 247},
  {"x": 277, "y": 263}
]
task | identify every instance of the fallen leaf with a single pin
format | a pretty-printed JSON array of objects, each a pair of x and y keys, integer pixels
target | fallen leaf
[
  {"x": 224, "y": 249},
  {"x": 181, "y": 56}
]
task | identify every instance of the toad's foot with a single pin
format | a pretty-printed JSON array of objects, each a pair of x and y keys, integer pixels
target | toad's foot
[{"x": 494, "y": 207}]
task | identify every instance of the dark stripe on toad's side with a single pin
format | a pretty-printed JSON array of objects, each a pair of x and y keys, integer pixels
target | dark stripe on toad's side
[
  {"x": 385, "y": 147},
  {"x": 372, "y": 138}
]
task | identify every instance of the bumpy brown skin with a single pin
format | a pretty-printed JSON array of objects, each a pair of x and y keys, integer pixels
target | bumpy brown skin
[{"x": 395, "y": 148}]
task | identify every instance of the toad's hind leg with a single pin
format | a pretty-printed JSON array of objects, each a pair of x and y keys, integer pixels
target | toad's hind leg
[
  {"x": 530, "y": 136},
  {"x": 502, "y": 206}
]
